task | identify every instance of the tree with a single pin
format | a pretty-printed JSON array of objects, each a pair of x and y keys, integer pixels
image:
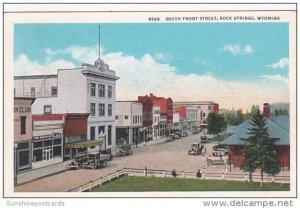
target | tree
[
  {"x": 215, "y": 123},
  {"x": 260, "y": 148}
]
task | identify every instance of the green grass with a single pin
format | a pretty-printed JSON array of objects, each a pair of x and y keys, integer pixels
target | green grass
[
  {"x": 144, "y": 184},
  {"x": 219, "y": 138}
]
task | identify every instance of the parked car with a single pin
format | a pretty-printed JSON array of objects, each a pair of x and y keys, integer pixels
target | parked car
[
  {"x": 204, "y": 139},
  {"x": 221, "y": 147},
  {"x": 77, "y": 161},
  {"x": 96, "y": 160},
  {"x": 185, "y": 133},
  {"x": 107, "y": 152},
  {"x": 196, "y": 149},
  {"x": 123, "y": 150},
  {"x": 217, "y": 158}
]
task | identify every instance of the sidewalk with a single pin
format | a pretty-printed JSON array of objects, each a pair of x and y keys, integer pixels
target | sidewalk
[{"x": 34, "y": 174}]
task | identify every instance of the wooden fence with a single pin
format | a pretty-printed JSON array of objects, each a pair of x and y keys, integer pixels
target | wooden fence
[{"x": 180, "y": 174}]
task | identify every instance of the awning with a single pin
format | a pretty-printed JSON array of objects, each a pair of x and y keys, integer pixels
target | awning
[{"x": 84, "y": 144}]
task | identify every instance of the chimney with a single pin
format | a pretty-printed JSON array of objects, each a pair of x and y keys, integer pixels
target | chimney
[{"x": 266, "y": 111}]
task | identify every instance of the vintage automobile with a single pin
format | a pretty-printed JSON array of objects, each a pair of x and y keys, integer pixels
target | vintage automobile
[
  {"x": 217, "y": 158},
  {"x": 107, "y": 152},
  {"x": 185, "y": 133},
  {"x": 221, "y": 147},
  {"x": 123, "y": 150},
  {"x": 77, "y": 162},
  {"x": 204, "y": 139},
  {"x": 96, "y": 160},
  {"x": 196, "y": 149}
]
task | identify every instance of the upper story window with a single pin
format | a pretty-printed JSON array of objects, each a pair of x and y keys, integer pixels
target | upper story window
[
  {"x": 54, "y": 91},
  {"x": 209, "y": 107},
  {"x": 47, "y": 109},
  {"x": 32, "y": 91},
  {"x": 93, "y": 89},
  {"x": 92, "y": 109},
  {"x": 23, "y": 124},
  {"x": 109, "y": 109},
  {"x": 101, "y": 109},
  {"x": 109, "y": 92},
  {"x": 101, "y": 90},
  {"x": 126, "y": 117}
]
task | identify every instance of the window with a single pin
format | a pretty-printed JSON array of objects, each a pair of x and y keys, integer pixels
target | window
[
  {"x": 109, "y": 109},
  {"x": 92, "y": 133},
  {"x": 116, "y": 117},
  {"x": 126, "y": 117},
  {"x": 32, "y": 91},
  {"x": 92, "y": 110},
  {"x": 14, "y": 92},
  {"x": 109, "y": 92},
  {"x": 93, "y": 89},
  {"x": 53, "y": 91},
  {"x": 209, "y": 107},
  {"x": 203, "y": 114},
  {"x": 23, "y": 125},
  {"x": 57, "y": 151},
  {"x": 47, "y": 109},
  {"x": 101, "y": 90},
  {"x": 109, "y": 136},
  {"x": 101, "y": 109},
  {"x": 101, "y": 130}
]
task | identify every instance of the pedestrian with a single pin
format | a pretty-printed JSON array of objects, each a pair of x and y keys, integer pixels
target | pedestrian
[
  {"x": 136, "y": 142},
  {"x": 174, "y": 174},
  {"x": 199, "y": 174},
  {"x": 205, "y": 150}
]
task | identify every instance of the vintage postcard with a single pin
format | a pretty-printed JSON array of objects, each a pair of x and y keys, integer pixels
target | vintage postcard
[{"x": 150, "y": 100}]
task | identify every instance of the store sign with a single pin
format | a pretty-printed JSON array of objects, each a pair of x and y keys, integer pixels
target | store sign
[{"x": 22, "y": 109}]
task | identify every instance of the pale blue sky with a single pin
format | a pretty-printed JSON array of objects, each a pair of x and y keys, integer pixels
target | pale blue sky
[
  {"x": 191, "y": 48},
  {"x": 222, "y": 62}
]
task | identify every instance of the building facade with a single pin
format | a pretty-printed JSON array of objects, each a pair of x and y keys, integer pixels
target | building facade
[
  {"x": 203, "y": 109},
  {"x": 22, "y": 134},
  {"x": 89, "y": 89},
  {"x": 47, "y": 140},
  {"x": 129, "y": 121},
  {"x": 147, "y": 116},
  {"x": 156, "y": 122}
]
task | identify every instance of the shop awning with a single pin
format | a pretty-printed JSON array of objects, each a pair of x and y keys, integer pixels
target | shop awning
[{"x": 84, "y": 144}]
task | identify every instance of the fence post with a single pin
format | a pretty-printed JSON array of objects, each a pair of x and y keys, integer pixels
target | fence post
[
  {"x": 203, "y": 175},
  {"x": 246, "y": 177},
  {"x": 273, "y": 179},
  {"x": 145, "y": 171},
  {"x": 183, "y": 176},
  {"x": 100, "y": 181},
  {"x": 117, "y": 174},
  {"x": 223, "y": 176},
  {"x": 125, "y": 171},
  {"x": 109, "y": 178},
  {"x": 164, "y": 174},
  {"x": 80, "y": 189},
  {"x": 90, "y": 188}
]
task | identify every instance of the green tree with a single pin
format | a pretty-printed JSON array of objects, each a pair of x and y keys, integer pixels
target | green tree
[
  {"x": 260, "y": 148},
  {"x": 215, "y": 123}
]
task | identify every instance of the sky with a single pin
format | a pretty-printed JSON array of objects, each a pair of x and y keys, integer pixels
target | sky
[{"x": 234, "y": 64}]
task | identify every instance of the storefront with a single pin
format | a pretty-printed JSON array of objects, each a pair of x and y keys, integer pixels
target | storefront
[
  {"x": 72, "y": 149},
  {"x": 47, "y": 150}
]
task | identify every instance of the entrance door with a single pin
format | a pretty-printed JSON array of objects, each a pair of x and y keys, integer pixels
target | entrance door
[
  {"x": 47, "y": 153},
  {"x": 23, "y": 159}
]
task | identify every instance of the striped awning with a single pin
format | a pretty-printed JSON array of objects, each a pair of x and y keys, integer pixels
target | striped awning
[{"x": 84, "y": 144}]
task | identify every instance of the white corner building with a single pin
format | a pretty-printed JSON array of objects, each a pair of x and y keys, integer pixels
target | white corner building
[{"x": 90, "y": 89}]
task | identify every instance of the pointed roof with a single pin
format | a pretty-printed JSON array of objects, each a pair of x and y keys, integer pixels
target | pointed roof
[{"x": 275, "y": 130}]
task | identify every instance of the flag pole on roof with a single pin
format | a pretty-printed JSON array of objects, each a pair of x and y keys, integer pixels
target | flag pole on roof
[{"x": 99, "y": 40}]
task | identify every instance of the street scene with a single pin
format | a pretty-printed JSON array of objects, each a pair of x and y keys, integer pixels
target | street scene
[{"x": 85, "y": 108}]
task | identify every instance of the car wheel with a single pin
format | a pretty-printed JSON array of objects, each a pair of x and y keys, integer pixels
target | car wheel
[
  {"x": 211, "y": 162},
  {"x": 94, "y": 167}
]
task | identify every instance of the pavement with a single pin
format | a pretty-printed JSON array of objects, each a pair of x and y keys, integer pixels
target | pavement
[{"x": 155, "y": 154}]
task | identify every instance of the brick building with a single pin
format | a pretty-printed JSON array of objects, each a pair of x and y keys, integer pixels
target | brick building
[{"x": 278, "y": 128}]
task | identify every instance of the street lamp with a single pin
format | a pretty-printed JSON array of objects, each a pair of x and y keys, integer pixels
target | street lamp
[
  {"x": 144, "y": 135},
  {"x": 15, "y": 163}
]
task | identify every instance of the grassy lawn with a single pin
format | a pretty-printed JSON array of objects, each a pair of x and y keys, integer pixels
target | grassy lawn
[
  {"x": 136, "y": 184},
  {"x": 219, "y": 138}
]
